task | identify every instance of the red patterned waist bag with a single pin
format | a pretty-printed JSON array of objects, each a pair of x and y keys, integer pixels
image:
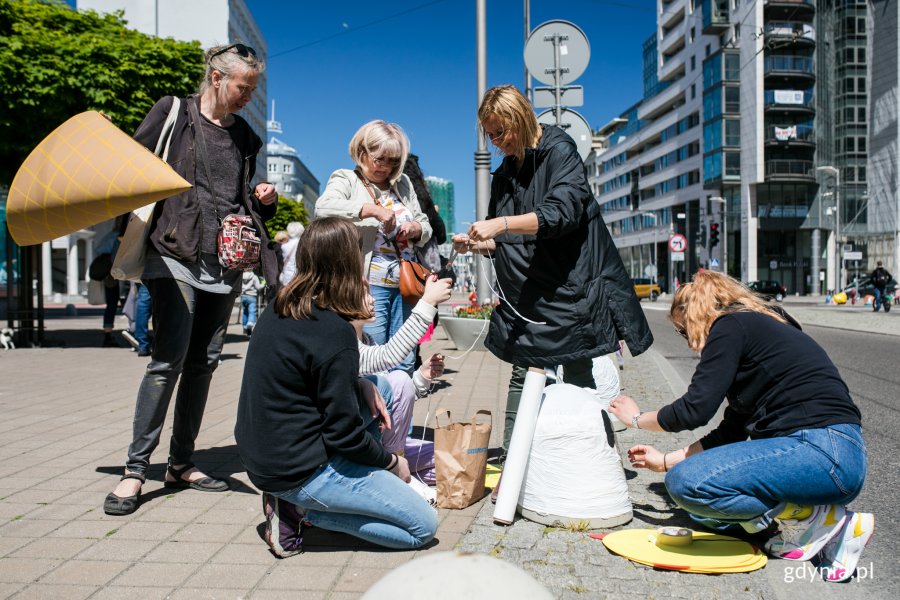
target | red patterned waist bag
[{"x": 238, "y": 243}]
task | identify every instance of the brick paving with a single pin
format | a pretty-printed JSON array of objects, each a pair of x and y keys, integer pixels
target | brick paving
[{"x": 66, "y": 425}]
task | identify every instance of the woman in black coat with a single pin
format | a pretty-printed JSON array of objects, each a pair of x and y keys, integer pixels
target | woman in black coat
[{"x": 566, "y": 297}]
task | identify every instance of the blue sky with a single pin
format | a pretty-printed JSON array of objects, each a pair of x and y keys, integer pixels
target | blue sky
[{"x": 333, "y": 66}]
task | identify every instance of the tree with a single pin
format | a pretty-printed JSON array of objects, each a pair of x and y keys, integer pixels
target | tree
[
  {"x": 56, "y": 62},
  {"x": 288, "y": 210}
]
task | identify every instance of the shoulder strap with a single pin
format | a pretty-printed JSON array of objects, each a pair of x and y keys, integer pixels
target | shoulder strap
[{"x": 165, "y": 136}]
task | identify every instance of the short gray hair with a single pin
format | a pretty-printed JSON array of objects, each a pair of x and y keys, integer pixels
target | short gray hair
[{"x": 295, "y": 229}]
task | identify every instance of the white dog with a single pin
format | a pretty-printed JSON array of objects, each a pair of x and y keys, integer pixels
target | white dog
[{"x": 6, "y": 338}]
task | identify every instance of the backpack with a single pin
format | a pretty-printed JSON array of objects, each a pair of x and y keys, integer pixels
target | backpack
[{"x": 881, "y": 277}]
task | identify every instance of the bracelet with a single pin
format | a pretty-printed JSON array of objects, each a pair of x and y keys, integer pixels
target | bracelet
[
  {"x": 393, "y": 463},
  {"x": 665, "y": 466},
  {"x": 505, "y": 225}
]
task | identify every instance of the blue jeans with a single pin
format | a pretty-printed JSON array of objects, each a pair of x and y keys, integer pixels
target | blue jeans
[
  {"x": 391, "y": 312},
  {"x": 879, "y": 298},
  {"x": 142, "y": 311},
  {"x": 747, "y": 483},
  {"x": 366, "y": 502},
  {"x": 248, "y": 311}
]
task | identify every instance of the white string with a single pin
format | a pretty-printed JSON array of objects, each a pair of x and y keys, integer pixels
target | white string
[{"x": 502, "y": 296}]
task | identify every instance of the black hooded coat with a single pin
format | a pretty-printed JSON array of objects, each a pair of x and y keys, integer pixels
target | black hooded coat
[{"x": 568, "y": 278}]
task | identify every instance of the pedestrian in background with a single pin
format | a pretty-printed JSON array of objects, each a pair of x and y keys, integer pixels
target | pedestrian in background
[
  {"x": 381, "y": 201},
  {"x": 880, "y": 278},
  {"x": 789, "y": 452},
  {"x": 106, "y": 250},
  {"x": 192, "y": 294},
  {"x": 566, "y": 297},
  {"x": 289, "y": 251},
  {"x": 250, "y": 287}
]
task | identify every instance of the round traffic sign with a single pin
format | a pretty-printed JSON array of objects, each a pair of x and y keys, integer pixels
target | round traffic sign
[
  {"x": 677, "y": 243},
  {"x": 572, "y": 123},
  {"x": 541, "y": 49}
]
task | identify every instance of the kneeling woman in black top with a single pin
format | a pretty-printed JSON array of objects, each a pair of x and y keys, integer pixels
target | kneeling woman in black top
[
  {"x": 302, "y": 423},
  {"x": 789, "y": 448}
]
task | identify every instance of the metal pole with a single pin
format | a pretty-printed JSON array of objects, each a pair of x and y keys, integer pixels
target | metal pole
[
  {"x": 557, "y": 75},
  {"x": 482, "y": 156},
  {"x": 839, "y": 254},
  {"x": 527, "y": 33}
]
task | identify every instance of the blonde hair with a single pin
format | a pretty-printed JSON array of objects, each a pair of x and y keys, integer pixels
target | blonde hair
[
  {"x": 707, "y": 297},
  {"x": 515, "y": 112},
  {"x": 381, "y": 138},
  {"x": 227, "y": 60}
]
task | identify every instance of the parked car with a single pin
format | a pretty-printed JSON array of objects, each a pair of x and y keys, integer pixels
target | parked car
[
  {"x": 769, "y": 289},
  {"x": 645, "y": 288},
  {"x": 867, "y": 289}
]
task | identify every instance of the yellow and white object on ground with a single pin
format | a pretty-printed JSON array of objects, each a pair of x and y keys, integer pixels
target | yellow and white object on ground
[
  {"x": 697, "y": 552},
  {"x": 840, "y": 298},
  {"x": 85, "y": 172}
]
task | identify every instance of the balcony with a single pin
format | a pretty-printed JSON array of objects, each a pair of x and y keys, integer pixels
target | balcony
[
  {"x": 790, "y": 67},
  {"x": 781, "y": 169},
  {"x": 791, "y": 135},
  {"x": 790, "y": 9},
  {"x": 789, "y": 101},
  {"x": 715, "y": 16},
  {"x": 799, "y": 33}
]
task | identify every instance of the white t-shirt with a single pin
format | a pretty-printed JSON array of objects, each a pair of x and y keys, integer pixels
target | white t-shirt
[{"x": 384, "y": 270}]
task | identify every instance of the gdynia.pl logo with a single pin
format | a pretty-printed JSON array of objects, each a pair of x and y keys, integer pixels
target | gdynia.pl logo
[{"x": 806, "y": 572}]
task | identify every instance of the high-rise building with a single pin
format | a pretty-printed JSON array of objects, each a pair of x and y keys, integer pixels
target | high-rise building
[
  {"x": 790, "y": 92},
  {"x": 291, "y": 177},
  {"x": 443, "y": 197},
  {"x": 212, "y": 23}
]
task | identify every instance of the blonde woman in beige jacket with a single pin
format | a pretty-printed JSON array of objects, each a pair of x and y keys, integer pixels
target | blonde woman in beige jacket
[{"x": 381, "y": 202}]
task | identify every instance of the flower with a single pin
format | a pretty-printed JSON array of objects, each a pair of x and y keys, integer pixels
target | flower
[{"x": 474, "y": 311}]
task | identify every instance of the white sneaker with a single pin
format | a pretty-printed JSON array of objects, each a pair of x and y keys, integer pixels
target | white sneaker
[
  {"x": 801, "y": 539},
  {"x": 841, "y": 555},
  {"x": 428, "y": 493}
]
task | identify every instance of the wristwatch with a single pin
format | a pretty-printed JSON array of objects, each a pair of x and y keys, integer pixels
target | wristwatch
[{"x": 634, "y": 420}]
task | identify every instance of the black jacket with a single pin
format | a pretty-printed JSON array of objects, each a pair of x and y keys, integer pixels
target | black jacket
[
  {"x": 569, "y": 277},
  {"x": 777, "y": 379},
  {"x": 886, "y": 277},
  {"x": 175, "y": 230}
]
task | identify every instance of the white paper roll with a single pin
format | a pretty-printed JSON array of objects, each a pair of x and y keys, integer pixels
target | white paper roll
[{"x": 520, "y": 446}]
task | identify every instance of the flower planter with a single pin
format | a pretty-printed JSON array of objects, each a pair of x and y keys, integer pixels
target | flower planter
[{"x": 463, "y": 332}]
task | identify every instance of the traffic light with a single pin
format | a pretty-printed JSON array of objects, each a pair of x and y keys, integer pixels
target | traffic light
[
  {"x": 700, "y": 237},
  {"x": 713, "y": 235}
]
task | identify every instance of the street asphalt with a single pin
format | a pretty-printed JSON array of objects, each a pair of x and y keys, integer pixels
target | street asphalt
[{"x": 67, "y": 411}]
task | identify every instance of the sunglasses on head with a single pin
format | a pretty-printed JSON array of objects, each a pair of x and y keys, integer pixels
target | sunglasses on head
[{"x": 240, "y": 49}]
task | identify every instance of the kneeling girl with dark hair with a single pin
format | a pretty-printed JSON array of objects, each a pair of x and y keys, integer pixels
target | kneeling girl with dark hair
[{"x": 304, "y": 431}]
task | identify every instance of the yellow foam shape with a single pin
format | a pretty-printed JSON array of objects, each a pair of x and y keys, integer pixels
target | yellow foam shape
[
  {"x": 85, "y": 172},
  {"x": 708, "y": 553},
  {"x": 493, "y": 476}
]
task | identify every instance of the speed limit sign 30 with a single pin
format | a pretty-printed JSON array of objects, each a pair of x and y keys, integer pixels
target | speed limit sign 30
[{"x": 677, "y": 243}]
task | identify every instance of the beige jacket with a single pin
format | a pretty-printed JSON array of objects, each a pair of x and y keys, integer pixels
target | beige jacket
[{"x": 345, "y": 195}]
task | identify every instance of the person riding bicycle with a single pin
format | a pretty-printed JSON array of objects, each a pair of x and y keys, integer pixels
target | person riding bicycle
[{"x": 880, "y": 278}]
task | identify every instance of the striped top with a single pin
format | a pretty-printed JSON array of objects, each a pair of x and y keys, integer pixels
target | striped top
[{"x": 375, "y": 358}]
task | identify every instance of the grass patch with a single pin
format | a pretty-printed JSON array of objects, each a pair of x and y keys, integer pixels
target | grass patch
[{"x": 111, "y": 532}]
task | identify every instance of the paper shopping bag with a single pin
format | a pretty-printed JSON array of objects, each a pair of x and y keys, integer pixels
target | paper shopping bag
[{"x": 460, "y": 459}]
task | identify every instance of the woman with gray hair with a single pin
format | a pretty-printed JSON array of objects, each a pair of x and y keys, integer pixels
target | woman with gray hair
[
  {"x": 192, "y": 293},
  {"x": 289, "y": 252},
  {"x": 381, "y": 202}
]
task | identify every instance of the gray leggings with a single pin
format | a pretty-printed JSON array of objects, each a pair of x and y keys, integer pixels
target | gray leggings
[{"x": 190, "y": 327}]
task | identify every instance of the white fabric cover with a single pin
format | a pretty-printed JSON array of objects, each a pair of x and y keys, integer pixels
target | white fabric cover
[{"x": 573, "y": 470}]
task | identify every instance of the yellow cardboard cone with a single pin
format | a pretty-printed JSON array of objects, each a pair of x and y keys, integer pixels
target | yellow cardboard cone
[{"x": 85, "y": 172}]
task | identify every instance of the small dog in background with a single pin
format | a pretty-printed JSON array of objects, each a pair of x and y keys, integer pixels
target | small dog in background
[{"x": 6, "y": 338}]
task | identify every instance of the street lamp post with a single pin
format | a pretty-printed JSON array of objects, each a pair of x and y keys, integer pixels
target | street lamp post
[
  {"x": 655, "y": 246},
  {"x": 837, "y": 222},
  {"x": 724, "y": 231}
]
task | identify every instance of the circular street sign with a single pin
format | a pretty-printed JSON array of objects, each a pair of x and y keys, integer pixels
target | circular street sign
[
  {"x": 572, "y": 123},
  {"x": 677, "y": 243},
  {"x": 574, "y": 52}
]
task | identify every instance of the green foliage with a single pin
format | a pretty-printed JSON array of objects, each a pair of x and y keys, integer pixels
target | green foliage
[
  {"x": 56, "y": 62},
  {"x": 288, "y": 211}
]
